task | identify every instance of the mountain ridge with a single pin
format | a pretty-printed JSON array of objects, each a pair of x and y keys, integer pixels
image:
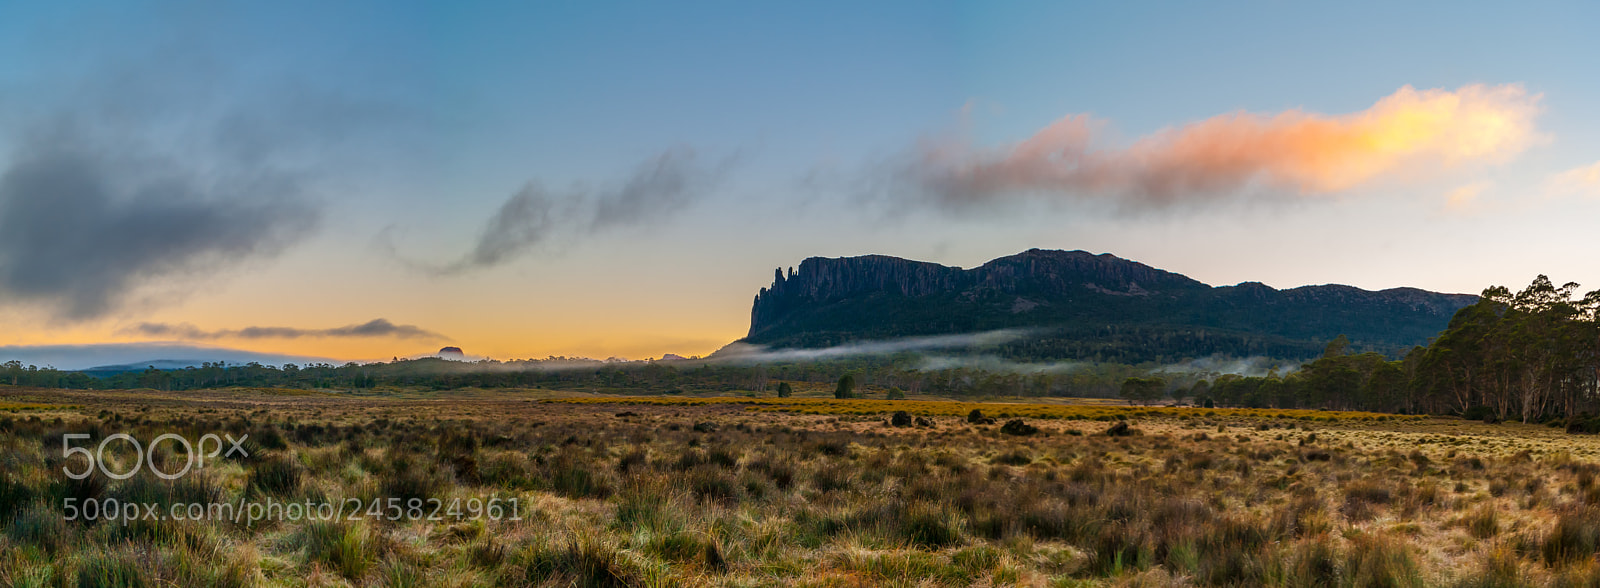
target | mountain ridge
[{"x": 1087, "y": 301}]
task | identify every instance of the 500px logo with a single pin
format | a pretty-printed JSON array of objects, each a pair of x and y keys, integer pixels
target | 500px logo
[{"x": 193, "y": 457}]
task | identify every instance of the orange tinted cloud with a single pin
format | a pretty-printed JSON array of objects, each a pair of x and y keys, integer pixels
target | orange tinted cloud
[
  {"x": 1582, "y": 180},
  {"x": 1407, "y": 133}
]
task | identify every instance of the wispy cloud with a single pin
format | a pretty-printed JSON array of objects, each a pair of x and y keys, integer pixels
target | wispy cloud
[
  {"x": 374, "y": 328},
  {"x": 1584, "y": 180},
  {"x": 536, "y": 216},
  {"x": 1465, "y": 199},
  {"x": 1291, "y": 153}
]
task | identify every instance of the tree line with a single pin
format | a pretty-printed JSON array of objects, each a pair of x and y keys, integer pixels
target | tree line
[{"x": 1530, "y": 356}]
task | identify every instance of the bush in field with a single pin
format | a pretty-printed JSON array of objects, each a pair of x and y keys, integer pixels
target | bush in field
[
  {"x": 1019, "y": 428},
  {"x": 900, "y": 419},
  {"x": 846, "y": 388}
]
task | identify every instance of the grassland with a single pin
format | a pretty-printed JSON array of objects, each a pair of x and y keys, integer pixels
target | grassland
[{"x": 664, "y": 491}]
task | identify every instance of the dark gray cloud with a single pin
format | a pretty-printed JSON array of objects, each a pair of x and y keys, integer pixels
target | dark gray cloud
[
  {"x": 373, "y": 328},
  {"x": 137, "y": 174},
  {"x": 83, "y": 226},
  {"x": 536, "y": 216}
]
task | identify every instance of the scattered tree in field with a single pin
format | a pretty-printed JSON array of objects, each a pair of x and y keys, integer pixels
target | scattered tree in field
[
  {"x": 785, "y": 390},
  {"x": 1143, "y": 390},
  {"x": 846, "y": 388},
  {"x": 895, "y": 394}
]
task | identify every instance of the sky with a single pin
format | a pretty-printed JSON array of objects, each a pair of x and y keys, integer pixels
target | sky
[{"x": 367, "y": 180}]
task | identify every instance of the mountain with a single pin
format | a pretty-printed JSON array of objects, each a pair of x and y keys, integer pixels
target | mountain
[
  {"x": 1078, "y": 305},
  {"x": 139, "y": 356}
]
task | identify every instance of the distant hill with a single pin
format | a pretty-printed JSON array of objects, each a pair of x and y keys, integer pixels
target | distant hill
[
  {"x": 1086, "y": 307},
  {"x": 112, "y": 357}
]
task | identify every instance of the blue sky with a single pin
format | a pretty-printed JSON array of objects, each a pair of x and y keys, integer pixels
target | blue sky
[{"x": 649, "y": 163}]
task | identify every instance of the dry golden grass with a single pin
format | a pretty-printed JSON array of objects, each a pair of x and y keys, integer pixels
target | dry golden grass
[
  {"x": 815, "y": 492},
  {"x": 1098, "y": 411}
]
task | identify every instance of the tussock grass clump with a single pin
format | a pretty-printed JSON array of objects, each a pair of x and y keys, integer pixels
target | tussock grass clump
[
  {"x": 584, "y": 561},
  {"x": 344, "y": 547},
  {"x": 1015, "y": 457},
  {"x": 1312, "y": 563},
  {"x": 931, "y": 527},
  {"x": 1576, "y": 536},
  {"x": 1499, "y": 568},
  {"x": 278, "y": 474},
  {"x": 38, "y": 526},
  {"x": 832, "y": 478},
  {"x": 713, "y": 484},
  {"x": 409, "y": 478},
  {"x": 1361, "y": 498},
  {"x": 115, "y": 569},
  {"x": 1381, "y": 561},
  {"x": 1484, "y": 522}
]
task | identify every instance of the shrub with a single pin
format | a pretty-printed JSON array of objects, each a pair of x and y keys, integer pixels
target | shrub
[
  {"x": 900, "y": 419},
  {"x": 1019, "y": 428}
]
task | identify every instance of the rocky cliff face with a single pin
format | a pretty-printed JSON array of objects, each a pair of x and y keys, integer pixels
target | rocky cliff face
[{"x": 831, "y": 300}]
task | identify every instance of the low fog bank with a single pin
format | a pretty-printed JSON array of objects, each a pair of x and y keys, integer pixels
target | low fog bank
[
  {"x": 1256, "y": 366},
  {"x": 745, "y": 353}
]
